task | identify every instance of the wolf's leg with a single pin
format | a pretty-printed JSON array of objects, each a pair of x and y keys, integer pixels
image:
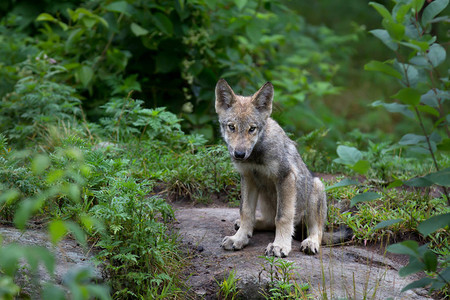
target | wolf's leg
[
  {"x": 267, "y": 206},
  {"x": 249, "y": 196},
  {"x": 284, "y": 220},
  {"x": 316, "y": 215}
]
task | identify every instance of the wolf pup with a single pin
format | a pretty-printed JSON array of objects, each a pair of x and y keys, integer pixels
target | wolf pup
[{"x": 272, "y": 173}]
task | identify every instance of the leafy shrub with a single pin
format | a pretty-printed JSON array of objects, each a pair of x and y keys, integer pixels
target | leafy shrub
[
  {"x": 136, "y": 245},
  {"x": 37, "y": 101}
]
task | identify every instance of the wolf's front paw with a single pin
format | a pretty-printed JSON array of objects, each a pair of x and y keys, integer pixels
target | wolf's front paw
[
  {"x": 234, "y": 243},
  {"x": 310, "y": 246},
  {"x": 277, "y": 250}
]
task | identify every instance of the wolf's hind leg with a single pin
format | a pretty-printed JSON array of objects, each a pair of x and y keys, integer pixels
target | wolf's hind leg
[
  {"x": 267, "y": 219},
  {"x": 315, "y": 218}
]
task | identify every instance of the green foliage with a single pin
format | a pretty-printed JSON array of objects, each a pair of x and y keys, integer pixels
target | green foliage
[
  {"x": 422, "y": 259},
  {"x": 282, "y": 282},
  {"x": 37, "y": 101},
  {"x": 178, "y": 50},
  {"x": 228, "y": 289},
  {"x": 52, "y": 185},
  {"x": 138, "y": 256}
]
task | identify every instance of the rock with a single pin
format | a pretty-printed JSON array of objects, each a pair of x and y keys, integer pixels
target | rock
[
  {"x": 68, "y": 254},
  {"x": 341, "y": 272}
]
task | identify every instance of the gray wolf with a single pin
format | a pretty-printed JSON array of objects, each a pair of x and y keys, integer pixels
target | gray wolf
[{"x": 272, "y": 174}]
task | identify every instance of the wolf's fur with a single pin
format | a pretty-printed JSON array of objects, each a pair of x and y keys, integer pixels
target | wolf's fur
[{"x": 272, "y": 173}]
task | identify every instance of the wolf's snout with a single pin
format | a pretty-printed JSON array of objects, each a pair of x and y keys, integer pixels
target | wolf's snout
[{"x": 239, "y": 154}]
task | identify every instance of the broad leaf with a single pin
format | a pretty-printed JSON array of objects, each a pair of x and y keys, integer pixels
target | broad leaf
[
  {"x": 384, "y": 36},
  {"x": 348, "y": 155},
  {"x": 412, "y": 267},
  {"x": 436, "y": 55},
  {"x": 418, "y": 284},
  {"x": 381, "y": 10},
  {"x": 412, "y": 139},
  {"x": 163, "y": 23},
  {"x": 408, "y": 96},
  {"x": 364, "y": 197},
  {"x": 46, "y": 17},
  {"x": 57, "y": 230},
  {"x": 410, "y": 248},
  {"x": 430, "y": 260},
  {"x": 382, "y": 67},
  {"x": 342, "y": 183},
  {"x": 395, "y": 108},
  {"x": 121, "y": 7},
  {"x": 240, "y": 3},
  {"x": 138, "y": 30},
  {"x": 361, "y": 167},
  {"x": 432, "y": 10},
  {"x": 434, "y": 223}
]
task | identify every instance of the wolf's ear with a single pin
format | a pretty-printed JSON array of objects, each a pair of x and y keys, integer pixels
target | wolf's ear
[
  {"x": 262, "y": 99},
  {"x": 225, "y": 97}
]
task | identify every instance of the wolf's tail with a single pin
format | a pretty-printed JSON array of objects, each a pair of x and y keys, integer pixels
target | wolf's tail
[{"x": 339, "y": 236}]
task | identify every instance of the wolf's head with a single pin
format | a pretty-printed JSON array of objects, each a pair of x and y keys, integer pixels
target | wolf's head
[{"x": 242, "y": 119}]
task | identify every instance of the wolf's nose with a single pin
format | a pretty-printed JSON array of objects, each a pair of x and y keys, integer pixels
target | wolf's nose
[{"x": 239, "y": 154}]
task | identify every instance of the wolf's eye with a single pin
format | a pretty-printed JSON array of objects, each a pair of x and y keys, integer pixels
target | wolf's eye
[
  {"x": 231, "y": 127},
  {"x": 252, "y": 129}
]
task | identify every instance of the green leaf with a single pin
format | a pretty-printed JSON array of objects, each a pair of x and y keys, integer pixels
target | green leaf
[
  {"x": 119, "y": 7},
  {"x": 382, "y": 67},
  {"x": 46, "y": 17},
  {"x": 77, "y": 232},
  {"x": 52, "y": 291},
  {"x": 138, "y": 30},
  {"x": 384, "y": 36},
  {"x": 387, "y": 223},
  {"x": 342, "y": 183},
  {"x": 364, "y": 197},
  {"x": 84, "y": 75},
  {"x": 40, "y": 163},
  {"x": 412, "y": 267},
  {"x": 361, "y": 167},
  {"x": 240, "y": 3},
  {"x": 395, "y": 183},
  {"x": 348, "y": 155},
  {"x": 432, "y": 10},
  {"x": 408, "y": 247},
  {"x": 434, "y": 223},
  {"x": 396, "y": 30},
  {"x": 417, "y": 5},
  {"x": 418, "y": 182},
  {"x": 57, "y": 230},
  {"x": 410, "y": 75},
  {"x": 418, "y": 284},
  {"x": 408, "y": 96},
  {"x": 34, "y": 254},
  {"x": 436, "y": 54},
  {"x": 395, "y": 108},
  {"x": 381, "y": 10},
  {"x": 163, "y": 23},
  {"x": 430, "y": 260},
  {"x": 428, "y": 109},
  {"x": 412, "y": 139},
  {"x": 9, "y": 196}
]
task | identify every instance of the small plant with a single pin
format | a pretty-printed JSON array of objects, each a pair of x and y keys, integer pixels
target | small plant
[
  {"x": 282, "y": 284},
  {"x": 228, "y": 289}
]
